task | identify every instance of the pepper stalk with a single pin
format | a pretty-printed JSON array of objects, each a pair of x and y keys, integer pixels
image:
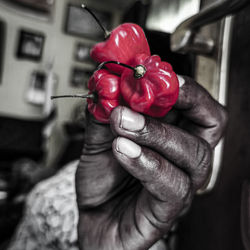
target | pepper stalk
[
  {"x": 139, "y": 70},
  {"x": 93, "y": 96},
  {"x": 106, "y": 32}
]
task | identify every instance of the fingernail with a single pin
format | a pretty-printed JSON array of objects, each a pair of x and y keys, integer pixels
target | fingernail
[
  {"x": 131, "y": 120},
  {"x": 127, "y": 147},
  {"x": 181, "y": 80}
]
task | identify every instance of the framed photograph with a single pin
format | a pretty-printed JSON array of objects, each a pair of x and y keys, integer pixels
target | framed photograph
[
  {"x": 82, "y": 53},
  {"x": 80, "y": 23},
  {"x": 43, "y": 6},
  {"x": 80, "y": 77},
  {"x": 30, "y": 45},
  {"x": 2, "y": 46},
  {"x": 36, "y": 91}
]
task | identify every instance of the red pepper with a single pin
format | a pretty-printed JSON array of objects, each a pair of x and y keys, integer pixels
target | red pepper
[
  {"x": 104, "y": 94},
  {"x": 154, "y": 87},
  {"x": 149, "y": 86},
  {"x": 105, "y": 88},
  {"x": 121, "y": 44}
]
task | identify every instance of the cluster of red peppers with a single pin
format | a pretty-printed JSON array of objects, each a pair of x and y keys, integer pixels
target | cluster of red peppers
[{"x": 133, "y": 77}]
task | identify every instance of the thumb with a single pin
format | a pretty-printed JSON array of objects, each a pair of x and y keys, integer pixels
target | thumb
[{"x": 98, "y": 136}]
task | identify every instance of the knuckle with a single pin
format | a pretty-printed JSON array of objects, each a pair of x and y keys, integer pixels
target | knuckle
[
  {"x": 149, "y": 132},
  {"x": 154, "y": 131},
  {"x": 152, "y": 164},
  {"x": 220, "y": 123},
  {"x": 203, "y": 165},
  {"x": 180, "y": 186},
  {"x": 185, "y": 190},
  {"x": 223, "y": 120}
]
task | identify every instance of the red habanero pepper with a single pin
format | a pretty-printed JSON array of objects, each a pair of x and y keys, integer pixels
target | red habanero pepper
[
  {"x": 105, "y": 87},
  {"x": 121, "y": 44},
  {"x": 149, "y": 86},
  {"x": 104, "y": 94}
]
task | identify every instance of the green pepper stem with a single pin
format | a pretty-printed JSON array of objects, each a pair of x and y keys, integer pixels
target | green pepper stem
[
  {"x": 106, "y": 32},
  {"x": 91, "y": 96},
  {"x": 139, "y": 70}
]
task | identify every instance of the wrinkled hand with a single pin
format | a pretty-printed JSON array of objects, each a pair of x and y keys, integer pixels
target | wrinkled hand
[{"x": 134, "y": 182}]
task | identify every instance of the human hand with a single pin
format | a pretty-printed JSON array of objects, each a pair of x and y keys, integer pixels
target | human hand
[{"x": 129, "y": 194}]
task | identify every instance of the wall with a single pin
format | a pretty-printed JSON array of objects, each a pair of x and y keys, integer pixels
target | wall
[{"x": 59, "y": 48}]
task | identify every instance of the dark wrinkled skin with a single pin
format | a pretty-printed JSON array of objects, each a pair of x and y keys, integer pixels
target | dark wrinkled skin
[{"x": 130, "y": 203}]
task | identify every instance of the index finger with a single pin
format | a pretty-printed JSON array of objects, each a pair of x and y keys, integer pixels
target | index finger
[{"x": 206, "y": 117}]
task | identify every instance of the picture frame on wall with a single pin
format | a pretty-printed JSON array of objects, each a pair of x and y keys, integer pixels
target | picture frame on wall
[
  {"x": 40, "y": 6},
  {"x": 79, "y": 77},
  {"x": 79, "y": 22},
  {"x": 82, "y": 53},
  {"x": 2, "y": 46},
  {"x": 30, "y": 45},
  {"x": 36, "y": 92}
]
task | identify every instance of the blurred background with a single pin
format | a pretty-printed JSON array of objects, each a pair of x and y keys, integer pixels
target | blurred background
[{"x": 44, "y": 51}]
